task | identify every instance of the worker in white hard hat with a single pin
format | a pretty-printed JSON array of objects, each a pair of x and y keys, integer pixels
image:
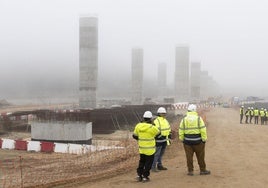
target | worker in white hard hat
[
  {"x": 262, "y": 115},
  {"x": 193, "y": 134},
  {"x": 145, "y": 132},
  {"x": 162, "y": 140},
  {"x": 241, "y": 113},
  {"x": 247, "y": 114},
  {"x": 251, "y": 115},
  {"x": 256, "y": 115}
]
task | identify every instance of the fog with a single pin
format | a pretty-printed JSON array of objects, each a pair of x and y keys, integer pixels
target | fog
[{"x": 39, "y": 48}]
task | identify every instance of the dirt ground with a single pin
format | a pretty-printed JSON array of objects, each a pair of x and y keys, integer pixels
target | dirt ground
[{"x": 236, "y": 154}]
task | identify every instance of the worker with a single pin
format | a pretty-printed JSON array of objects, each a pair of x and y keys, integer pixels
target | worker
[
  {"x": 262, "y": 115},
  {"x": 251, "y": 115},
  {"x": 241, "y": 114},
  {"x": 193, "y": 134},
  {"x": 256, "y": 115},
  {"x": 162, "y": 140},
  {"x": 145, "y": 132},
  {"x": 266, "y": 116},
  {"x": 247, "y": 114}
]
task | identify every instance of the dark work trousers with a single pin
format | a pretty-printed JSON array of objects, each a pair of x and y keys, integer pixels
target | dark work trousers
[
  {"x": 256, "y": 119},
  {"x": 262, "y": 120},
  {"x": 145, "y": 164},
  {"x": 199, "y": 150},
  {"x": 247, "y": 118},
  {"x": 250, "y": 118},
  {"x": 241, "y": 118}
]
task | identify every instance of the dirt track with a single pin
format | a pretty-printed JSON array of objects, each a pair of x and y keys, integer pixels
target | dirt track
[{"x": 236, "y": 154}]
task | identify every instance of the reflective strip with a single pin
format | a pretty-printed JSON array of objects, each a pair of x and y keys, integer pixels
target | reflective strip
[
  {"x": 166, "y": 129},
  {"x": 192, "y": 128},
  {"x": 151, "y": 147},
  {"x": 146, "y": 139},
  {"x": 160, "y": 141},
  {"x": 192, "y": 139}
]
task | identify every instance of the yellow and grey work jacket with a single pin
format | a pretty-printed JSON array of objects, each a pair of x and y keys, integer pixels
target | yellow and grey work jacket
[
  {"x": 145, "y": 133},
  {"x": 241, "y": 111},
  {"x": 251, "y": 112},
  {"x": 192, "y": 129},
  {"x": 247, "y": 113},
  {"x": 262, "y": 113},
  {"x": 256, "y": 112},
  {"x": 165, "y": 131}
]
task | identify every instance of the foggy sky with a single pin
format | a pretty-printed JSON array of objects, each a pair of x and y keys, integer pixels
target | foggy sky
[{"x": 39, "y": 42}]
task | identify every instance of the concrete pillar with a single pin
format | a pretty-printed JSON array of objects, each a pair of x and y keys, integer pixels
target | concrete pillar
[
  {"x": 182, "y": 74},
  {"x": 162, "y": 80},
  {"x": 137, "y": 76},
  {"x": 88, "y": 61},
  {"x": 204, "y": 85},
  {"x": 195, "y": 80}
]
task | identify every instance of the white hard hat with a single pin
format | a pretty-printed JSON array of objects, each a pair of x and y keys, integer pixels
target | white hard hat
[
  {"x": 242, "y": 106},
  {"x": 161, "y": 110},
  {"x": 192, "y": 107},
  {"x": 147, "y": 114}
]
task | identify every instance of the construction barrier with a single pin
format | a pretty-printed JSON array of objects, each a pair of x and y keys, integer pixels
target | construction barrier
[
  {"x": 76, "y": 149},
  {"x": 21, "y": 145},
  {"x": 34, "y": 146},
  {"x": 8, "y": 144},
  {"x": 47, "y": 147},
  {"x": 61, "y": 148}
]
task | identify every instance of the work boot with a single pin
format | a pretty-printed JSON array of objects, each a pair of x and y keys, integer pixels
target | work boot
[
  {"x": 155, "y": 170},
  {"x": 145, "y": 179},
  {"x": 161, "y": 168},
  {"x": 139, "y": 178},
  {"x": 190, "y": 173},
  {"x": 205, "y": 172}
]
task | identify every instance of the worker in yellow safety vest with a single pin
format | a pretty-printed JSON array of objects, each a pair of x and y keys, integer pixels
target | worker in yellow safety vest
[
  {"x": 247, "y": 114},
  {"x": 251, "y": 115},
  {"x": 262, "y": 115},
  {"x": 145, "y": 132},
  {"x": 163, "y": 140},
  {"x": 193, "y": 134},
  {"x": 256, "y": 115},
  {"x": 241, "y": 113},
  {"x": 266, "y": 116}
]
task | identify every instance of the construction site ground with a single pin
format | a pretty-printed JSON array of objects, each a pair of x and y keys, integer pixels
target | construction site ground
[{"x": 236, "y": 154}]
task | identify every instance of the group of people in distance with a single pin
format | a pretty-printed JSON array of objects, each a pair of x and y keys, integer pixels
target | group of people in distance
[
  {"x": 251, "y": 112},
  {"x": 154, "y": 134}
]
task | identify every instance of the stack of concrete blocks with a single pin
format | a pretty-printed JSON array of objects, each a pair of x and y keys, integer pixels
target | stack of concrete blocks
[
  {"x": 204, "y": 86},
  {"x": 137, "y": 76},
  {"x": 88, "y": 62},
  {"x": 162, "y": 80},
  {"x": 182, "y": 73},
  {"x": 195, "y": 80}
]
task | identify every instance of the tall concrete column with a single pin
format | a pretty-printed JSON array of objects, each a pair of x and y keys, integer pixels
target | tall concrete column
[
  {"x": 137, "y": 76},
  {"x": 204, "y": 85},
  {"x": 195, "y": 80},
  {"x": 162, "y": 80},
  {"x": 88, "y": 61},
  {"x": 182, "y": 73}
]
